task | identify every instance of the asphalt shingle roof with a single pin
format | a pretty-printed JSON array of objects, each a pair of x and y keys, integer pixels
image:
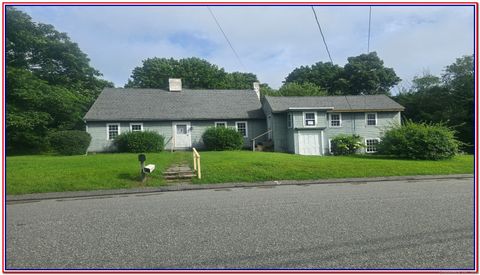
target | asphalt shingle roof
[
  {"x": 118, "y": 104},
  {"x": 339, "y": 103}
]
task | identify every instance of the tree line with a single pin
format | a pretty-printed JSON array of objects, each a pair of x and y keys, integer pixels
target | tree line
[{"x": 50, "y": 84}]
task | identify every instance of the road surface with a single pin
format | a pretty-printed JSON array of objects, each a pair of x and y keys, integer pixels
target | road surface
[{"x": 374, "y": 225}]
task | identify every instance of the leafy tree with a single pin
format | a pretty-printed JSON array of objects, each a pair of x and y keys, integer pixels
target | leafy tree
[
  {"x": 363, "y": 74},
  {"x": 305, "y": 89},
  {"x": 325, "y": 75},
  {"x": 195, "y": 73},
  {"x": 238, "y": 80},
  {"x": 449, "y": 99},
  {"x": 49, "y": 84}
]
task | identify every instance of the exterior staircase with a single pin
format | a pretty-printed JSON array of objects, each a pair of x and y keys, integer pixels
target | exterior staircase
[{"x": 178, "y": 173}]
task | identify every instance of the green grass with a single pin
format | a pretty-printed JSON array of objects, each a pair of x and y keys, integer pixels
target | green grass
[
  {"x": 246, "y": 166},
  {"x": 36, "y": 174}
]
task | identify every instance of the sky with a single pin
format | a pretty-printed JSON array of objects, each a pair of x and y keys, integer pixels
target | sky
[{"x": 270, "y": 41}]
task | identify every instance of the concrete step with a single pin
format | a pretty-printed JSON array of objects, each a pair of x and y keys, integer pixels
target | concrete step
[
  {"x": 169, "y": 173},
  {"x": 179, "y": 176}
]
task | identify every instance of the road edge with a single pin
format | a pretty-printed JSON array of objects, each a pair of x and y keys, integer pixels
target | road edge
[{"x": 189, "y": 187}]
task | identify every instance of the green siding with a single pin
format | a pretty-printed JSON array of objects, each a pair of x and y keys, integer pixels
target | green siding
[
  {"x": 286, "y": 140},
  {"x": 98, "y": 131}
]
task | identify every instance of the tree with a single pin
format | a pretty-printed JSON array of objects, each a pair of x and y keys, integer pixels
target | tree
[
  {"x": 305, "y": 89},
  {"x": 238, "y": 80},
  {"x": 324, "y": 75},
  {"x": 449, "y": 100},
  {"x": 195, "y": 73},
  {"x": 363, "y": 74},
  {"x": 49, "y": 84}
]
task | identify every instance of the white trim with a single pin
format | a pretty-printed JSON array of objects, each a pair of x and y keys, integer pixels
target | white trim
[
  {"x": 217, "y": 122},
  {"x": 310, "y": 108},
  {"x": 330, "y": 120},
  {"x": 246, "y": 127},
  {"x": 136, "y": 123},
  {"x": 315, "y": 114},
  {"x": 289, "y": 120},
  {"x": 322, "y": 147},
  {"x": 330, "y": 146},
  {"x": 108, "y": 132},
  {"x": 366, "y": 146},
  {"x": 366, "y": 119}
]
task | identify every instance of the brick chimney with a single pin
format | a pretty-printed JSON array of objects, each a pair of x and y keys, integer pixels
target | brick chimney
[{"x": 175, "y": 84}]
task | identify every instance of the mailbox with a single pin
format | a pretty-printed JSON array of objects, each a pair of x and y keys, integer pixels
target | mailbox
[{"x": 149, "y": 168}]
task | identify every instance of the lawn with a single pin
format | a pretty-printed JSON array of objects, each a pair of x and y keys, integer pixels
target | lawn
[
  {"x": 35, "y": 174},
  {"x": 246, "y": 166}
]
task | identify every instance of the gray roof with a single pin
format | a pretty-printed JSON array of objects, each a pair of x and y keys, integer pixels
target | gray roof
[
  {"x": 339, "y": 103},
  {"x": 117, "y": 104}
]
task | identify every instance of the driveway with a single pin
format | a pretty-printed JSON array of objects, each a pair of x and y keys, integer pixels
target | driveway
[{"x": 424, "y": 224}]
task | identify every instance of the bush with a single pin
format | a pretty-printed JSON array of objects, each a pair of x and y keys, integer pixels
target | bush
[
  {"x": 68, "y": 143},
  {"x": 220, "y": 138},
  {"x": 139, "y": 142},
  {"x": 420, "y": 141},
  {"x": 345, "y": 144}
]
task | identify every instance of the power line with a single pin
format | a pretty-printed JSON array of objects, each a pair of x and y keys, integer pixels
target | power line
[
  {"x": 226, "y": 38},
  {"x": 321, "y": 32},
  {"x": 369, "y": 26}
]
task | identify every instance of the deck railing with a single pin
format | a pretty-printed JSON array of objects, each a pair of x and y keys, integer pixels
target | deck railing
[{"x": 196, "y": 163}]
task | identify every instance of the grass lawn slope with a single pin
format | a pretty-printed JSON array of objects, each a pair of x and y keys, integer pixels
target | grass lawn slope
[
  {"x": 261, "y": 166},
  {"x": 37, "y": 174}
]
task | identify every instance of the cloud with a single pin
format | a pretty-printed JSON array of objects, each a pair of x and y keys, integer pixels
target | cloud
[{"x": 270, "y": 40}]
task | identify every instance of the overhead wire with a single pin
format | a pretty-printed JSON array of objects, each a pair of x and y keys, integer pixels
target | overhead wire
[
  {"x": 369, "y": 28},
  {"x": 226, "y": 37},
  {"x": 321, "y": 33}
]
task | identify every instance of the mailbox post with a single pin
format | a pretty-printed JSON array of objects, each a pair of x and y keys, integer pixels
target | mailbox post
[{"x": 142, "y": 158}]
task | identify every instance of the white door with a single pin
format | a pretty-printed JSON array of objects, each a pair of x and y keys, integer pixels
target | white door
[
  {"x": 182, "y": 134},
  {"x": 309, "y": 143}
]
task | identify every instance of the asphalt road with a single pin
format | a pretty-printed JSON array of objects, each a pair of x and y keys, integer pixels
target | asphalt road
[{"x": 377, "y": 225}]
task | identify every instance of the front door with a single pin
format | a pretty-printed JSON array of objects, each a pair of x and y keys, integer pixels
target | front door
[{"x": 182, "y": 135}]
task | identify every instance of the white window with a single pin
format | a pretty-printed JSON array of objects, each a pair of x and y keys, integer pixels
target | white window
[
  {"x": 371, "y": 145},
  {"x": 309, "y": 119},
  {"x": 335, "y": 120},
  {"x": 290, "y": 120},
  {"x": 242, "y": 128},
  {"x": 113, "y": 130},
  {"x": 221, "y": 124},
  {"x": 371, "y": 119},
  {"x": 136, "y": 127}
]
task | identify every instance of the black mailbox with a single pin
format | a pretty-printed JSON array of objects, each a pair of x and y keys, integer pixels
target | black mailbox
[{"x": 142, "y": 158}]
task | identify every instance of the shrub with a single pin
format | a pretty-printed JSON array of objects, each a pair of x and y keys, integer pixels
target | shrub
[
  {"x": 420, "y": 141},
  {"x": 139, "y": 142},
  {"x": 221, "y": 138},
  {"x": 72, "y": 142},
  {"x": 345, "y": 144}
]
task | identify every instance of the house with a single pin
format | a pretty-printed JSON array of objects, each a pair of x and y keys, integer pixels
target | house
[
  {"x": 306, "y": 125},
  {"x": 180, "y": 115},
  {"x": 299, "y": 125}
]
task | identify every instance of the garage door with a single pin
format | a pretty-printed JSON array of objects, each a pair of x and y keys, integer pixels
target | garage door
[{"x": 309, "y": 143}]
